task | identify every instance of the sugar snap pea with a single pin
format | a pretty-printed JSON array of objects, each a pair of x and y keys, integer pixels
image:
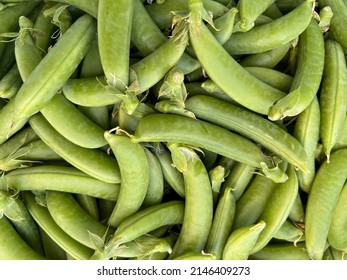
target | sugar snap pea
[
  {"x": 322, "y": 200},
  {"x": 179, "y": 129}
]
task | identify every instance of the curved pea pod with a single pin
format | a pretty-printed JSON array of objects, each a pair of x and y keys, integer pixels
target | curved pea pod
[
  {"x": 241, "y": 241},
  {"x": 277, "y": 209},
  {"x": 99, "y": 164},
  {"x": 13, "y": 247},
  {"x": 143, "y": 222},
  {"x": 325, "y": 191},
  {"x": 74, "y": 126},
  {"x": 135, "y": 175},
  {"x": 58, "y": 178},
  {"x": 51, "y": 73},
  {"x": 268, "y": 59},
  {"x": 290, "y": 232},
  {"x": 282, "y": 252},
  {"x": 201, "y": 134},
  {"x": 273, "y": 34},
  {"x": 337, "y": 236},
  {"x": 250, "y": 11},
  {"x": 198, "y": 192},
  {"x": 339, "y": 20},
  {"x": 115, "y": 17},
  {"x": 91, "y": 92},
  {"x": 43, "y": 218},
  {"x": 91, "y": 66},
  {"x": 222, "y": 224},
  {"x": 75, "y": 222},
  {"x": 231, "y": 77},
  {"x": 333, "y": 95},
  {"x": 250, "y": 125},
  {"x": 252, "y": 202},
  {"x": 224, "y": 26},
  {"x": 272, "y": 77},
  {"x": 308, "y": 75},
  {"x": 306, "y": 130}
]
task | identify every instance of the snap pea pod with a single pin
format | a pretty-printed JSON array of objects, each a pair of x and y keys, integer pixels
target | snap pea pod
[
  {"x": 143, "y": 222},
  {"x": 306, "y": 130},
  {"x": 115, "y": 16},
  {"x": 179, "y": 129},
  {"x": 273, "y": 34},
  {"x": 52, "y": 250},
  {"x": 13, "y": 247},
  {"x": 10, "y": 15},
  {"x": 91, "y": 66},
  {"x": 15, "y": 210},
  {"x": 88, "y": 204},
  {"x": 332, "y": 98},
  {"x": 196, "y": 256},
  {"x": 89, "y": 6},
  {"x": 75, "y": 222},
  {"x": 281, "y": 252},
  {"x": 272, "y": 77},
  {"x": 99, "y": 165},
  {"x": 277, "y": 208},
  {"x": 341, "y": 141},
  {"x": 337, "y": 236},
  {"x": 71, "y": 49},
  {"x": 59, "y": 178},
  {"x": 75, "y": 126},
  {"x": 232, "y": 78},
  {"x": 308, "y": 75},
  {"x": 241, "y": 241},
  {"x": 7, "y": 59},
  {"x": 267, "y": 59},
  {"x": 250, "y": 125},
  {"x": 290, "y": 232},
  {"x": 134, "y": 170},
  {"x": 252, "y": 202},
  {"x": 339, "y": 20},
  {"x": 249, "y": 11},
  {"x": 322, "y": 200},
  {"x": 222, "y": 224},
  {"x": 10, "y": 83},
  {"x": 196, "y": 223},
  {"x": 297, "y": 213},
  {"x": 43, "y": 218}
]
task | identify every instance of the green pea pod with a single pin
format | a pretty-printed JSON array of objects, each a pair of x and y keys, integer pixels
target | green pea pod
[
  {"x": 273, "y": 34},
  {"x": 333, "y": 95},
  {"x": 75, "y": 222},
  {"x": 222, "y": 224},
  {"x": 196, "y": 256},
  {"x": 341, "y": 141},
  {"x": 196, "y": 223},
  {"x": 10, "y": 83},
  {"x": 115, "y": 17},
  {"x": 250, "y": 125},
  {"x": 197, "y": 133},
  {"x": 306, "y": 130},
  {"x": 241, "y": 241},
  {"x": 51, "y": 74},
  {"x": 134, "y": 169},
  {"x": 99, "y": 164},
  {"x": 233, "y": 79},
  {"x": 43, "y": 218},
  {"x": 277, "y": 209},
  {"x": 75, "y": 126},
  {"x": 308, "y": 75},
  {"x": 58, "y": 178},
  {"x": 13, "y": 247},
  {"x": 339, "y": 20},
  {"x": 324, "y": 193},
  {"x": 290, "y": 232}
]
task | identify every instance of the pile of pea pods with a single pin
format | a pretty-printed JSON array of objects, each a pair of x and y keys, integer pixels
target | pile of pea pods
[{"x": 173, "y": 130}]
